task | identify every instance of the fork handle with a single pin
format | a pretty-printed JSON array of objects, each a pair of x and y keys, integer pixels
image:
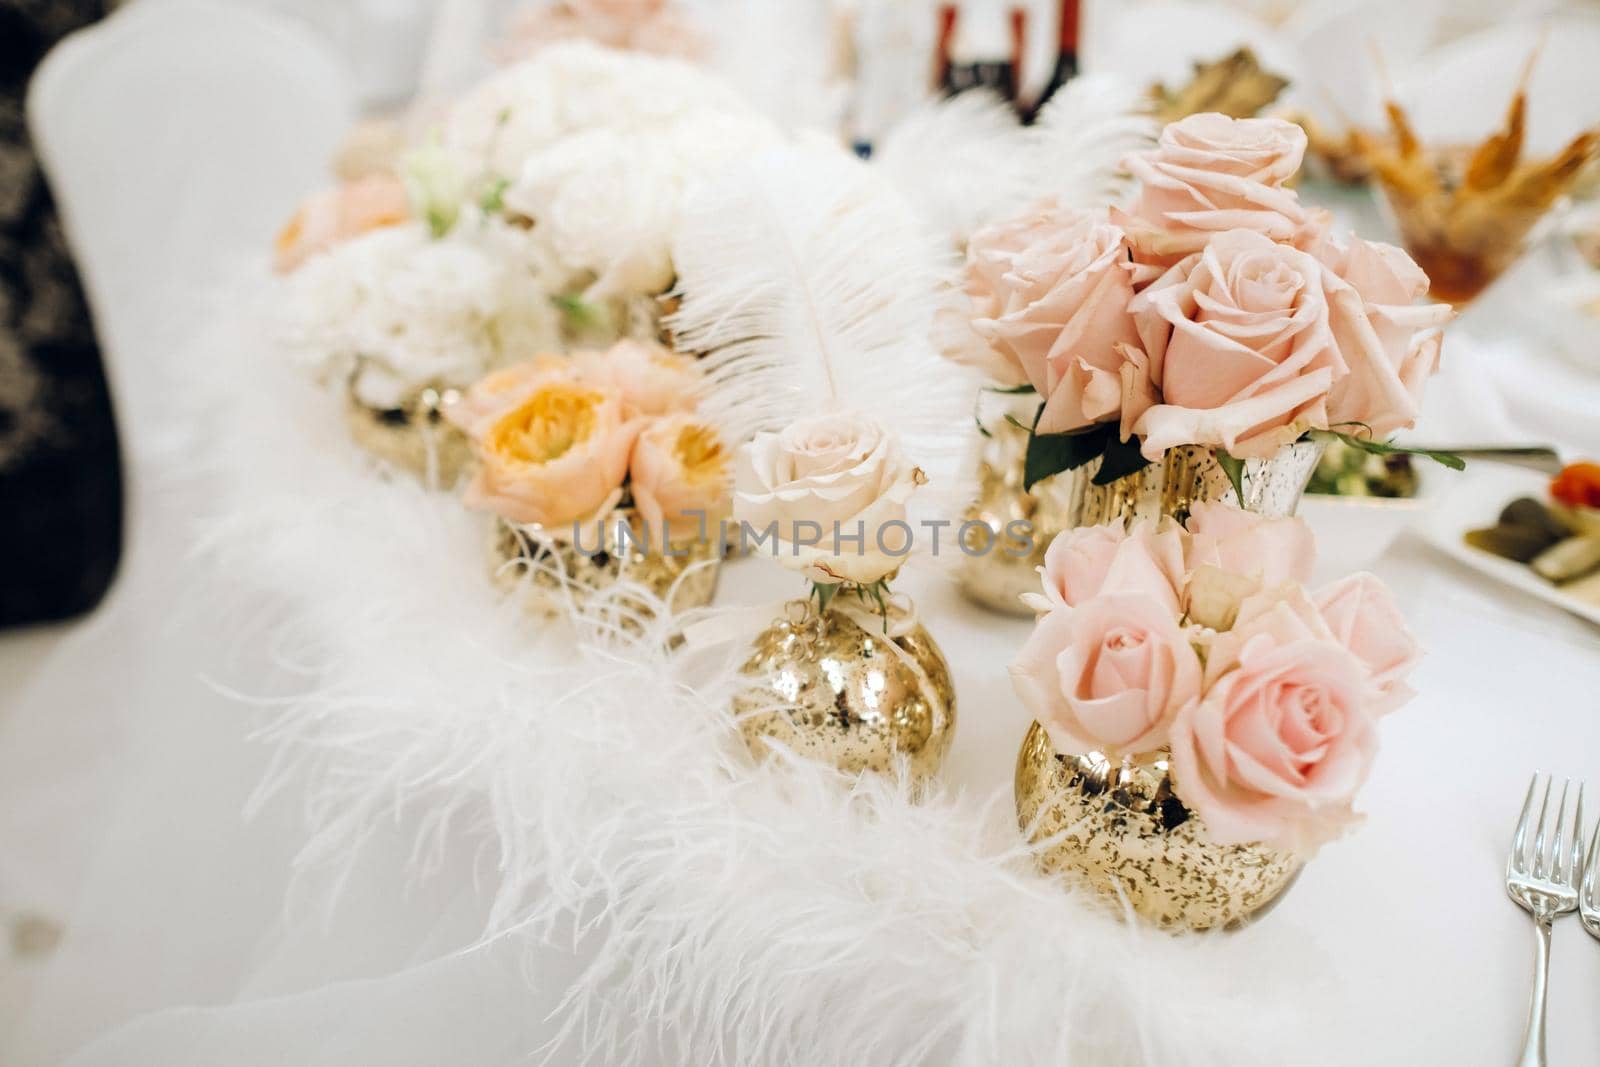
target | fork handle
[{"x": 1533, "y": 1037}]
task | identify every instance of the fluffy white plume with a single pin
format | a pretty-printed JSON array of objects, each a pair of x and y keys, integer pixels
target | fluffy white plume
[
  {"x": 822, "y": 297},
  {"x": 1083, "y": 134},
  {"x": 962, "y": 161},
  {"x": 729, "y": 913}
]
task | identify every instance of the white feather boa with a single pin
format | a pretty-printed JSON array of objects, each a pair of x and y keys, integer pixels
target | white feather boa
[{"x": 735, "y": 913}]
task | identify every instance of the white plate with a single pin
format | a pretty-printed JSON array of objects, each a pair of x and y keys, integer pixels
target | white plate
[{"x": 1474, "y": 502}]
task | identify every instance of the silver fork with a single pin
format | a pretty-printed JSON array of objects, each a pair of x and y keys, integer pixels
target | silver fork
[
  {"x": 1544, "y": 881},
  {"x": 1589, "y": 892}
]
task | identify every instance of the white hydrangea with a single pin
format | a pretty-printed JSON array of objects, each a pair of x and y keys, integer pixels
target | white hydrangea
[
  {"x": 572, "y": 88},
  {"x": 409, "y": 310},
  {"x": 609, "y": 202}
]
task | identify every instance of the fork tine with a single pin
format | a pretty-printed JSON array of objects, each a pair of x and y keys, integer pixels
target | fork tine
[
  {"x": 1553, "y": 871},
  {"x": 1575, "y": 860},
  {"x": 1518, "y": 860},
  {"x": 1536, "y": 864},
  {"x": 1591, "y": 870}
]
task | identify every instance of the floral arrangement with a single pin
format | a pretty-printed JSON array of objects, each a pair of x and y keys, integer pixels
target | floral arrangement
[
  {"x": 1214, "y": 310},
  {"x": 1206, "y": 642},
  {"x": 564, "y": 441}
]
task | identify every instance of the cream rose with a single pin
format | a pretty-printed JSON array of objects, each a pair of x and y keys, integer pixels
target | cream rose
[
  {"x": 1392, "y": 346},
  {"x": 555, "y": 459},
  {"x": 1210, "y": 173},
  {"x": 651, "y": 379},
  {"x": 1241, "y": 347},
  {"x": 1084, "y": 563},
  {"x": 336, "y": 215},
  {"x": 1109, "y": 675},
  {"x": 1362, "y": 615},
  {"x": 1283, "y": 738},
  {"x": 680, "y": 478},
  {"x": 1050, "y": 292},
  {"x": 826, "y": 478}
]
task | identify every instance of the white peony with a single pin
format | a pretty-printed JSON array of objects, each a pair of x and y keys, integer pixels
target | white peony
[
  {"x": 572, "y": 88},
  {"x": 408, "y": 310},
  {"x": 609, "y": 203}
]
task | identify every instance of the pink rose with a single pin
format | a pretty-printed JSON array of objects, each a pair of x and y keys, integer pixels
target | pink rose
[
  {"x": 659, "y": 27},
  {"x": 1109, "y": 675},
  {"x": 1050, "y": 293},
  {"x": 651, "y": 379},
  {"x": 1391, "y": 346},
  {"x": 1363, "y": 617},
  {"x": 1210, "y": 173},
  {"x": 681, "y": 478},
  {"x": 1278, "y": 746},
  {"x": 1270, "y": 551},
  {"x": 1090, "y": 561},
  {"x": 477, "y": 409},
  {"x": 558, "y": 457},
  {"x": 341, "y": 214},
  {"x": 1240, "y": 346}
]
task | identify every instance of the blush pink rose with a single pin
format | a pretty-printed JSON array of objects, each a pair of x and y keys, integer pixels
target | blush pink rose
[
  {"x": 681, "y": 477},
  {"x": 659, "y": 27},
  {"x": 1090, "y": 561},
  {"x": 650, "y": 378},
  {"x": 1208, "y": 174},
  {"x": 1109, "y": 675},
  {"x": 1282, "y": 739},
  {"x": 1270, "y": 551},
  {"x": 1391, "y": 345},
  {"x": 341, "y": 214},
  {"x": 1050, "y": 292},
  {"x": 1240, "y": 346},
  {"x": 1363, "y": 617},
  {"x": 556, "y": 458}
]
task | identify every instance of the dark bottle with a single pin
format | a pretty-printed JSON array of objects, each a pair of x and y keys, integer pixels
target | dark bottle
[
  {"x": 1066, "y": 55},
  {"x": 967, "y": 62}
]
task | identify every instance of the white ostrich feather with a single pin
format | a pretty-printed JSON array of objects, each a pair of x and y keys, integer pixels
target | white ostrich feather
[
  {"x": 820, "y": 295},
  {"x": 1083, "y": 134},
  {"x": 729, "y": 913},
  {"x": 962, "y": 161}
]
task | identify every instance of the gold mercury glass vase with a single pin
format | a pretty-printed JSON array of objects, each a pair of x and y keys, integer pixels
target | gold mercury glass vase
[
  {"x": 839, "y": 687},
  {"x": 413, "y": 436},
  {"x": 998, "y": 566},
  {"x": 556, "y": 575},
  {"x": 1120, "y": 831}
]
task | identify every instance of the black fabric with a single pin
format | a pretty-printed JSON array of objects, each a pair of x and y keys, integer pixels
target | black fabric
[{"x": 60, "y": 472}]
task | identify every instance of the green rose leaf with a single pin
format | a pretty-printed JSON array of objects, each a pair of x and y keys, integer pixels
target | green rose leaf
[{"x": 1385, "y": 448}]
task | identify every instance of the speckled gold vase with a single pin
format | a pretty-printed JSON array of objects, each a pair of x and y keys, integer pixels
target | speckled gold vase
[
  {"x": 1127, "y": 836},
  {"x": 414, "y": 436},
  {"x": 555, "y": 575},
  {"x": 836, "y": 688},
  {"x": 997, "y": 568}
]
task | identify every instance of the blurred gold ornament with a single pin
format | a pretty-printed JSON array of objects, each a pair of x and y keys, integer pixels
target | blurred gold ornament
[
  {"x": 1235, "y": 85},
  {"x": 557, "y": 575},
  {"x": 1121, "y": 832},
  {"x": 848, "y": 688},
  {"x": 1464, "y": 214},
  {"x": 413, "y": 436}
]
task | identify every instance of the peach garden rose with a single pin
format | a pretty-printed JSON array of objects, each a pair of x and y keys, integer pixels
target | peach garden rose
[
  {"x": 340, "y": 214},
  {"x": 557, "y": 457},
  {"x": 680, "y": 477}
]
